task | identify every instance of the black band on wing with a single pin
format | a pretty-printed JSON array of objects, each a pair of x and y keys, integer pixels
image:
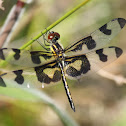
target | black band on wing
[
  {"x": 91, "y": 44},
  {"x": 118, "y": 51},
  {"x": 35, "y": 59},
  {"x": 88, "y": 41},
  {"x": 19, "y": 78},
  {"x": 43, "y": 77},
  {"x": 122, "y": 22},
  {"x": 2, "y": 54},
  {"x": 102, "y": 56},
  {"x": 72, "y": 71},
  {"x": 2, "y": 83},
  {"x": 17, "y": 53},
  {"x": 104, "y": 30},
  {"x": 35, "y": 56}
]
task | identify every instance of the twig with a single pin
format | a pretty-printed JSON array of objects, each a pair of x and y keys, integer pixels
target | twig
[
  {"x": 11, "y": 22},
  {"x": 119, "y": 79},
  {"x": 1, "y": 7}
]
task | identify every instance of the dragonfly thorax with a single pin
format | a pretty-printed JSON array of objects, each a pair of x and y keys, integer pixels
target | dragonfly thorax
[{"x": 57, "y": 49}]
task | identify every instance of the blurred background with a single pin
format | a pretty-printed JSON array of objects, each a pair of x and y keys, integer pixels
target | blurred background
[{"x": 98, "y": 100}]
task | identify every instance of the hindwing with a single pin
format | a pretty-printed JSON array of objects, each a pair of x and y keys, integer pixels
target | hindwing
[
  {"x": 82, "y": 65},
  {"x": 32, "y": 77}
]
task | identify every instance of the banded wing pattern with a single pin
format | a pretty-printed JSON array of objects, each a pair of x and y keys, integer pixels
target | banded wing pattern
[
  {"x": 25, "y": 57},
  {"x": 97, "y": 39},
  {"x": 75, "y": 67},
  {"x": 32, "y": 77},
  {"x": 81, "y": 65}
]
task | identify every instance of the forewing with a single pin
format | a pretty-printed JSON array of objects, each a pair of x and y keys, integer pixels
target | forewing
[
  {"x": 32, "y": 77},
  {"x": 25, "y": 57},
  {"x": 98, "y": 39},
  {"x": 82, "y": 65}
]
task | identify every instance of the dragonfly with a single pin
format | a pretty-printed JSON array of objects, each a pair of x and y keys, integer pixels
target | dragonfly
[{"x": 56, "y": 63}]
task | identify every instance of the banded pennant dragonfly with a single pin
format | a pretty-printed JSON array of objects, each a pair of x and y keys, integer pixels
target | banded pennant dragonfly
[{"x": 56, "y": 63}]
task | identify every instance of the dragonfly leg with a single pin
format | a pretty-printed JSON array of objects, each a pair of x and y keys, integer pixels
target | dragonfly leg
[
  {"x": 45, "y": 36},
  {"x": 48, "y": 49}
]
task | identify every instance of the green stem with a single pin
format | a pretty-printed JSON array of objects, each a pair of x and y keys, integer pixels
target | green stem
[{"x": 54, "y": 24}]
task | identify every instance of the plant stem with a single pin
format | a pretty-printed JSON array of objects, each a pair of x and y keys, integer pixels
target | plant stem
[{"x": 54, "y": 24}]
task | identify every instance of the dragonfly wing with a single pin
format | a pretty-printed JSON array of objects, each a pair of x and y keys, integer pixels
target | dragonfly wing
[
  {"x": 32, "y": 77},
  {"x": 25, "y": 57},
  {"x": 74, "y": 67},
  {"x": 82, "y": 65},
  {"x": 98, "y": 39}
]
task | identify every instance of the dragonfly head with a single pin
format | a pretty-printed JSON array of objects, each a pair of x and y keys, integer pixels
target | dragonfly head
[{"x": 53, "y": 36}]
